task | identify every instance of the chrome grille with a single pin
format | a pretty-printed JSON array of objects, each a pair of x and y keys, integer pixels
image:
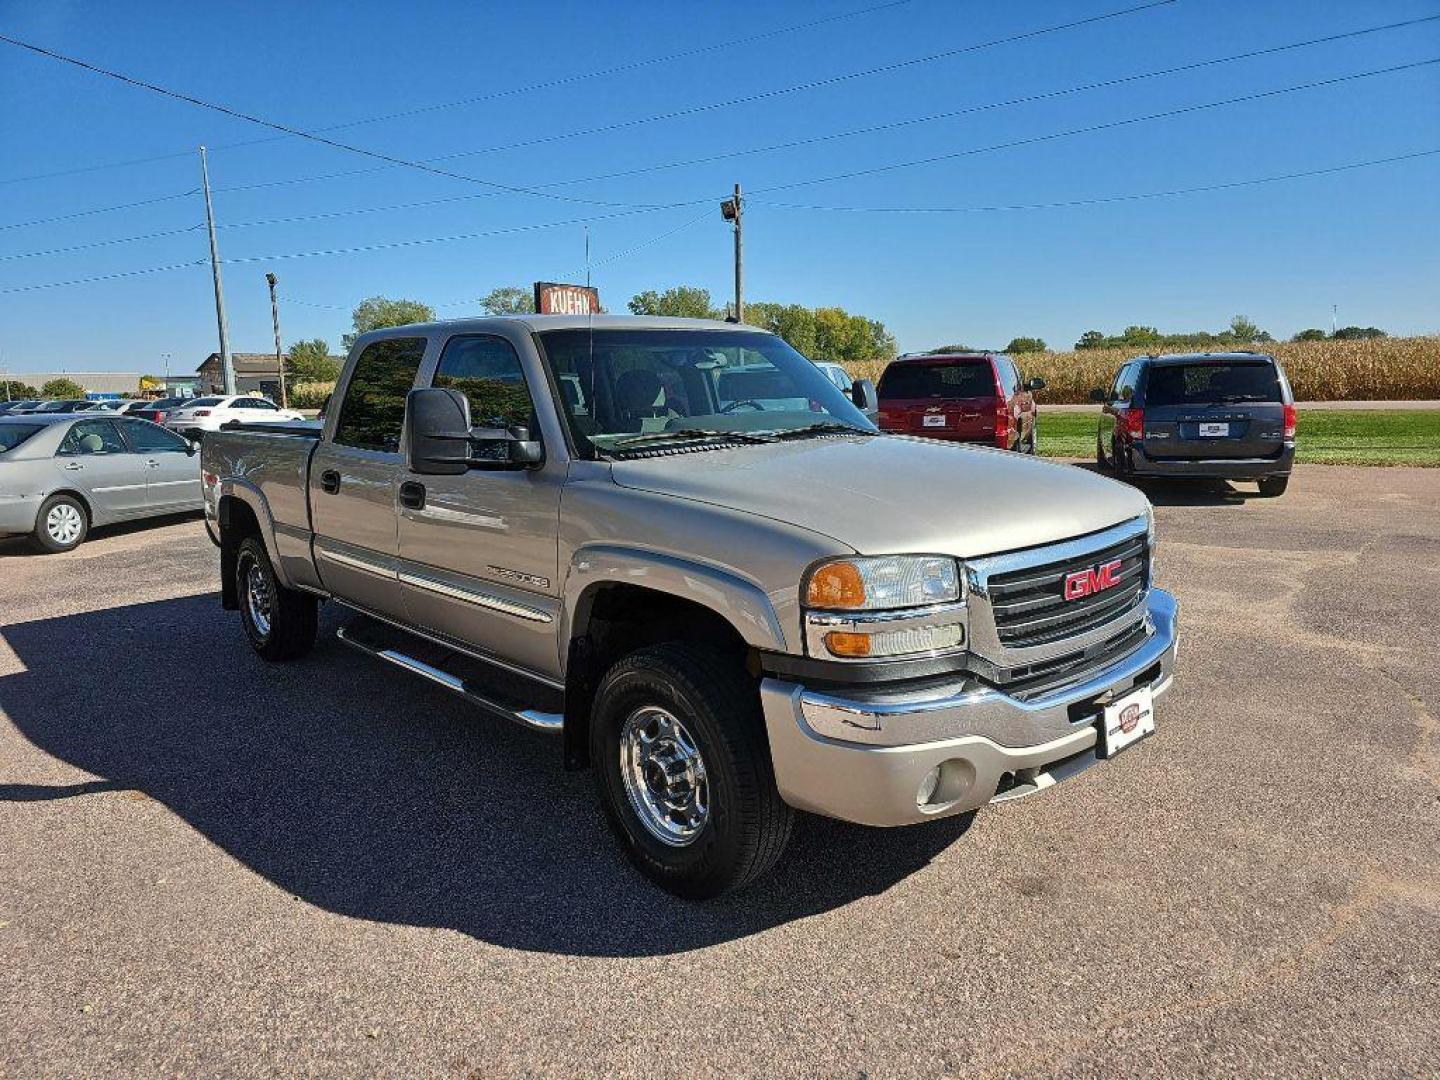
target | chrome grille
[{"x": 1029, "y": 605}]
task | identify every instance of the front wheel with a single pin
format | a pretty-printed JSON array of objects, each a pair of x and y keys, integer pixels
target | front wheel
[
  {"x": 684, "y": 772},
  {"x": 1273, "y": 486},
  {"x": 280, "y": 623}
]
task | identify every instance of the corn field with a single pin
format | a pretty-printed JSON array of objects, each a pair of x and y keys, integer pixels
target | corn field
[{"x": 1378, "y": 369}]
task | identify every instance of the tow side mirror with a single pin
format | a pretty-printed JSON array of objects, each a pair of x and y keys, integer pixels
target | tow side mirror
[
  {"x": 440, "y": 442},
  {"x": 1097, "y": 396},
  {"x": 865, "y": 399},
  {"x": 1035, "y": 385},
  {"x": 437, "y": 432}
]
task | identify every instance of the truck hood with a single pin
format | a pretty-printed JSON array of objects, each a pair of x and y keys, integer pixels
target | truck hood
[{"x": 893, "y": 495}]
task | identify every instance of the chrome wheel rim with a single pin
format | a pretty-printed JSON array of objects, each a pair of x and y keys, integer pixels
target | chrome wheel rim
[
  {"x": 664, "y": 776},
  {"x": 258, "y": 599},
  {"x": 63, "y": 524}
]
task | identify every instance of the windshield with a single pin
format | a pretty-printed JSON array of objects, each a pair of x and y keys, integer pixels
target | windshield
[
  {"x": 195, "y": 403},
  {"x": 12, "y": 435},
  {"x": 1202, "y": 384},
  {"x": 966, "y": 379},
  {"x": 625, "y": 387}
]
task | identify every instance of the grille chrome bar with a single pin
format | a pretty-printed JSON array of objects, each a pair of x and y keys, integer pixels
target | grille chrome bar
[{"x": 1020, "y": 616}]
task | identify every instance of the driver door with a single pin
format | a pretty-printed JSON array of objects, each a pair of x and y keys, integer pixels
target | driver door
[{"x": 479, "y": 551}]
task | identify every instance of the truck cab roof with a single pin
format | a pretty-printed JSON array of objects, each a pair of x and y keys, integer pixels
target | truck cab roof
[{"x": 542, "y": 323}]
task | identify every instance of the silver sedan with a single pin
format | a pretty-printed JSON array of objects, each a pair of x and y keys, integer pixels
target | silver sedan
[{"x": 62, "y": 473}]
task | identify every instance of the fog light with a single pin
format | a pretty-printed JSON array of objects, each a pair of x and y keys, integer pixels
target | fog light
[{"x": 926, "y": 791}]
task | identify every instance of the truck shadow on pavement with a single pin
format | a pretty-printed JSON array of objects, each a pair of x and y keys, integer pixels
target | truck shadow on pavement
[{"x": 373, "y": 794}]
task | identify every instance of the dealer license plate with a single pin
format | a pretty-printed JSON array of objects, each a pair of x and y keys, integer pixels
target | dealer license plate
[
  {"x": 1127, "y": 720},
  {"x": 933, "y": 421},
  {"x": 1214, "y": 431}
]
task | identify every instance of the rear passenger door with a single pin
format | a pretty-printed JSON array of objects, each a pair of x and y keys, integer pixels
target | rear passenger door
[
  {"x": 354, "y": 476},
  {"x": 94, "y": 459},
  {"x": 479, "y": 551}
]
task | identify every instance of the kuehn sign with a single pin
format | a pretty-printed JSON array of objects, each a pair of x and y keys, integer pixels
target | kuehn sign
[{"x": 556, "y": 299}]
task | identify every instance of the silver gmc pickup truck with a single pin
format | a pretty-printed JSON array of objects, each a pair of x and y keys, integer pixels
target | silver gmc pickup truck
[{"x": 682, "y": 549}]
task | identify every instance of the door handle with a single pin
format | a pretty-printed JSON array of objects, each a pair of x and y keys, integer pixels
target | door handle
[
  {"x": 330, "y": 481},
  {"x": 412, "y": 495},
  {"x": 74, "y": 466}
]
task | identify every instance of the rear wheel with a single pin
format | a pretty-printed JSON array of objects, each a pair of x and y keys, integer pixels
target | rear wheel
[
  {"x": 61, "y": 524},
  {"x": 1273, "y": 486},
  {"x": 684, "y": 772},
  {"x": 280, "y": 623}
]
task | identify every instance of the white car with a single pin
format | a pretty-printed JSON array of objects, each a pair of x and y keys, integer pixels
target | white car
[{"x": 210, "y": 413}]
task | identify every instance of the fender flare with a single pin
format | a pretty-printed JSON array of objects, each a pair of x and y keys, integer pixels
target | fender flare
[
  {"x": 251, "y": 496},
  {"x": 739, "y": 601}
]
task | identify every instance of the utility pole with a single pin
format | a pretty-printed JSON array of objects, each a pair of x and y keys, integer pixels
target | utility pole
[
  {"x": 733, "y": 209},
  {"x": 227, "y": 365},
  {"x": 1334, "y": 309},
  {"x": 279, "y": 360}
]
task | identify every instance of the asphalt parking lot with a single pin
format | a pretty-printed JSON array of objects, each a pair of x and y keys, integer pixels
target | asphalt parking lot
[{"x": 211, "y": 865}]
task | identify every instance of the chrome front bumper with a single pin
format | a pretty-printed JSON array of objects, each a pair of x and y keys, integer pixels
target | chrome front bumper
[{"x": 862, "y": 757}]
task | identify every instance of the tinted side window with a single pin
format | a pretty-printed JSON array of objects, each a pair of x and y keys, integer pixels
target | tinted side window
[
  {"x": 374, "y": 407},
  {"x": 149, "y": 439},
  {"x": 487, "y": 371},
  {"x": 93, "y": 437},
  {"x": 1009, "y": 376}
]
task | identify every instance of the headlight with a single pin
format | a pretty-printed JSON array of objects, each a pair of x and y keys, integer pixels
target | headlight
[{"x": 883, "y": 582}]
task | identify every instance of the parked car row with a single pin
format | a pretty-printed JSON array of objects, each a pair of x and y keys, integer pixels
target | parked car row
[
  {"x": 1209, "y": 416},
  {"x": 65, "y": 468}
]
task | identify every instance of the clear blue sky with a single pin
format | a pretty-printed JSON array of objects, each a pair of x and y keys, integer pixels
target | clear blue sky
[{"x": 1367, "y": 240}]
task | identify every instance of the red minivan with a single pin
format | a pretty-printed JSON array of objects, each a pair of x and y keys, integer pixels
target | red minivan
[{"x": 963, "y": 397}]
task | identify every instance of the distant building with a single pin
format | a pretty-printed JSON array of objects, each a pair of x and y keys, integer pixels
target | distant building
[
  {"x": 255, "y": 373},
  {"x": 96, "y": 383}
]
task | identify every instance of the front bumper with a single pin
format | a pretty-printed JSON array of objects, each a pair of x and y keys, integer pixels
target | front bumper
[
  {"x": 862, "y": 757},
  {"x": 1141, "y": 464}
]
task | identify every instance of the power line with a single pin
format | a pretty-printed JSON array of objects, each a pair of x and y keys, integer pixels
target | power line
[
  {"x": 849, "y": 133},
  {"x": 991, "y": 106},
  {"x": 567, "y": 80},
  {"x": 695, "y": 110},
  {"x": 1099, "y": 200},
  {"x": 391, "y": 245},
  {"x": 1089, "y": 129},
  {"x": 377, "y": 155},
  {"x": 101, "y": 243},
  {"x": 102, "y": 277},
  {"x": 101, "y": 210}
]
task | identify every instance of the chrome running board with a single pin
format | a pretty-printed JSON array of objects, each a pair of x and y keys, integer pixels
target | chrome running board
[{"x": 456, "y": 673}]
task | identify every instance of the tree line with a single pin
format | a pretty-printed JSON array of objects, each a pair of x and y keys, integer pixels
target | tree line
[{"x": 822, "y": 333}]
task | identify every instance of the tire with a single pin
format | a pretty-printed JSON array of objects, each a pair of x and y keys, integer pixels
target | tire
[
  {"x": 1100, "y": 462},
  {"x": 713, "y": 709},
  {"x": 61, "y": 525},
  {"x": 280, "y": 623},
  {"x": 1272, "y": 487},
  {"x": 1033, "y": 446}
]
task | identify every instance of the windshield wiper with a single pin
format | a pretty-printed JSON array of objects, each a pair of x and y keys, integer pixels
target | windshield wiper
[
  {"x": 1244, "y": 397},
  {"x": 830, "y": 428},
  {"x": 630, "y": 442}
]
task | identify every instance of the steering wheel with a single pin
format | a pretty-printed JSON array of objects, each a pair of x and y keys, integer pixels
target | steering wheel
[{"x": 743, "y": 402}]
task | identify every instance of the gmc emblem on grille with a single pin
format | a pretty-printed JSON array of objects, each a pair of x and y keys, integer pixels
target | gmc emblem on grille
[{"x": 1084, "y": 583}]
